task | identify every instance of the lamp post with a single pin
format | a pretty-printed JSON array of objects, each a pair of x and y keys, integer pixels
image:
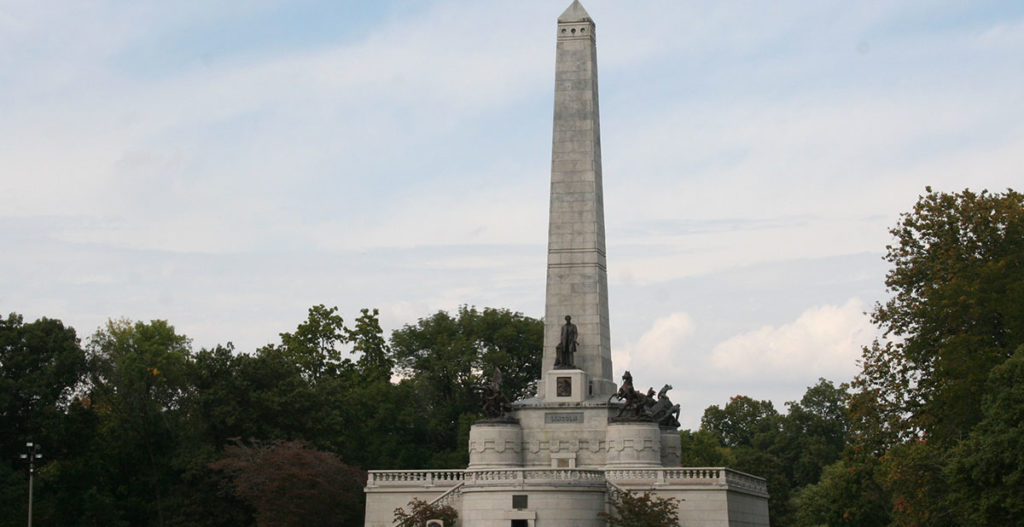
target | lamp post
[{"x": 32, "y": 455}]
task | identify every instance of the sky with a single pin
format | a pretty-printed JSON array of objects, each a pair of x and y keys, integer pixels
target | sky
[{"x": 226, "y": 165}]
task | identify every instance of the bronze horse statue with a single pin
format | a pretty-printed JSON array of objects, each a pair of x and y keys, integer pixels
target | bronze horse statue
[{"x": 635, "y": 401}]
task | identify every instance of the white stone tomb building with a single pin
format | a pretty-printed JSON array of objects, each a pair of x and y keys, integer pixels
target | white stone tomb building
[{"x": 557, "y": 457}]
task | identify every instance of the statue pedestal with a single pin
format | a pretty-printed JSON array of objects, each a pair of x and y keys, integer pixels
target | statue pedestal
[
  {"x": 566, "y": 386},
  {"x": 495, "y": 445},
  {"x": 633, "y": 444}
]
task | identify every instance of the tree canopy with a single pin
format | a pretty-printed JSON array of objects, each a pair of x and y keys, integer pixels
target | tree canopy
[
  {"x": 956, "y": 312},
  {"x": 789, "y": 450},
  {"x": 289, "y": 484},
  {"x": 935, "y": 410},
  {"x": 140, "y": 429}
]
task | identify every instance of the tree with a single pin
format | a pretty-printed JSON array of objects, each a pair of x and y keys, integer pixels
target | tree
[
  {"x": 42, "y": 369},
  {"x": 630, "y": 509},
  {"x": 813, "y": 432},
  {"x": 955, "y": 316},
  {"x": 761, "y": 462},
  {"x": 912, "y": 475},
  {"x": 421, "y": 511},
  {"x": 741, "y": 420},
  {"x": 42, "y": 372},
  {"x": 956, "y": 312},
  {"x": 446, "y": 359},
  {"x": 315, "y": 345},
  {"x": 749, "y": 429},
  {"x": 264, "y": 395},
  {"x": 789, "y": 450},
  {"x": 702, "y": 449},
  {"x": 986, "y": 471},
  {"x": 846, "y": 496},
  {"x": 290, "y": 484},
  {"x": 451, "y": 353},
  {"x": 367, "y": 339},
  {"x": 138, "y": 385}
]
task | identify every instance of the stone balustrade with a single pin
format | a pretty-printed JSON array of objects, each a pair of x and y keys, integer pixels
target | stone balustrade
[
  {"x": 450, "y": 496},
  {"x": 413, "y": 478},
  {"x": 742, "y": 480},
  {"x": 718, "y": 476},
  {"x": 534, "y": 476},
  {"x": 683, "y": 476},
  {"x": 707, "y": 476}
]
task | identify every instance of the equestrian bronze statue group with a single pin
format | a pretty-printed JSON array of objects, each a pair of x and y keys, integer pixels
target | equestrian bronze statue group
[{"x": 646, "y": 407}]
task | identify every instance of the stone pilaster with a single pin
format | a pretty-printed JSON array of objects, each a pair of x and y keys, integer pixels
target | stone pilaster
[{"x": 577, "y": 281}]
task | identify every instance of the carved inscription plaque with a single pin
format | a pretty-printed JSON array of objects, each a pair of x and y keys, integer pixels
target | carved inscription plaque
[
  {"x": 561, "y": 418},
  {"x": 563, "y": 386}
]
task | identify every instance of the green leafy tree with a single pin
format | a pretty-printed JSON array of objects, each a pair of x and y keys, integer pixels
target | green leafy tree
[
  {"x": 283, "y": 404},
  {"x": 956, "y": 312},
  {"x": 813, "y": 433},
  {"x": 912, "y": 474},
  {"x": 300, "y": 388},
  {"x": 986, "y": 471},
  {"x": 42, "y": 367},
  {"x": 316, "y": 345},
  {"x": 763, "y": 463},
  {"x": 42, "y": 370},
  {"x": 219, "y": 403},
  {"x": 748, "y": 429},
  {"x": 847, "y": 495},
  {"x": 741, "y": 421},
  {"x": 421, "y": 511},
  {"x": 788, "y": 450},
  {"x": 367, "y": 338},
  {"x": 447, "y": 357},
  {"x": 138, "y": 385},
  {"x": 702, "y": 449},
  {"x": 451, "y": 352},
  {"x": 42, "y": 373},
  {"x": 630, "y": 509}
]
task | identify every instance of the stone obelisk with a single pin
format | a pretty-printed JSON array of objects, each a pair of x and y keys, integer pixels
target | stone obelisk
[{"x": 577, "y": 281}]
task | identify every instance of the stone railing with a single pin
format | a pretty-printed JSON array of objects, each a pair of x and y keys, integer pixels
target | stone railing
[
  {"x": 715, "y": 476},
  {"x": 613, "y": 489},
  {"x": 413, "y": 478},
  {"x": 663, "y": 476},
  {"x": 741, "y": 480},
  {"x": 624, "y": 477},
  {"x": 533, "y": 476},
  {"x": 449, "y": 497}
]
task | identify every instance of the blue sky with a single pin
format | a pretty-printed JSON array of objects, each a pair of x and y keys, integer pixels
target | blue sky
[{"x": 226, "y": 165}]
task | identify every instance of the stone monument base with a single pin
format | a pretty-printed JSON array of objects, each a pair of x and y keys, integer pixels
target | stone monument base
[
  {"x": 550, "y": 497},
  {"x": 495, "y": 445},
  {"x": 633, "y": 444},
  {"x": 567, "y": 386}
]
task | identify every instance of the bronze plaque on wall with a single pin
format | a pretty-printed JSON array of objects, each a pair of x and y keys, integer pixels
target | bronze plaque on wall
[{"x": 563, "y": 386}]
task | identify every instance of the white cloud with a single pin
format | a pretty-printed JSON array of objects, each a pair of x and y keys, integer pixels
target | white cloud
[
  {"x": 823, "y": 341},
  {"x": 658, "y": 349}
]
